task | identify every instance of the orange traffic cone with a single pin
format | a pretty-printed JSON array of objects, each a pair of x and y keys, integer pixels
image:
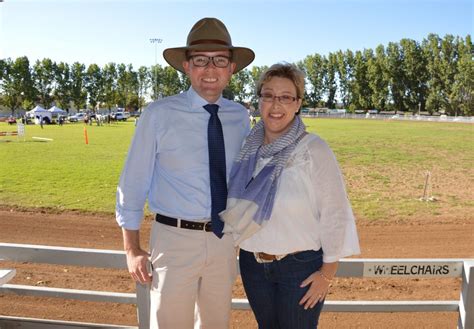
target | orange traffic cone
[{"x": 85, "y": 135}]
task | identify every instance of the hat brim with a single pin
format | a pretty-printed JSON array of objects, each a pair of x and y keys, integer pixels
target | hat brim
[{"x": 241, "y": 56}]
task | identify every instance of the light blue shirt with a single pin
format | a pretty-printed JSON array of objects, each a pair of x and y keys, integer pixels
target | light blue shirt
[{"x": 168, "y": 160}]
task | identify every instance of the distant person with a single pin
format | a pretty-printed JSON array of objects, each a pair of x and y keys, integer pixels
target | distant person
[
  {"x": 40, "y": 118},
  {"x": 288, "y": 209},
  {"x": 179, "y": 159},
  {"x": 253, "y": 120}
]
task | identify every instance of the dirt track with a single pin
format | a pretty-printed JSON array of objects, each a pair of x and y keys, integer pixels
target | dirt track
[{"x": 422, "y": 238}]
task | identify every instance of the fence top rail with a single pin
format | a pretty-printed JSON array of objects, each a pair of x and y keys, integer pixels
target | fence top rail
[
  {"x": 353, "y": 267},
  {"x": 63, "y": 255},
  {"x": 45, "y": 247}
]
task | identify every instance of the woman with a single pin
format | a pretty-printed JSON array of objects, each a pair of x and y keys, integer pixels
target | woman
[{"x": 287, "y": 208}]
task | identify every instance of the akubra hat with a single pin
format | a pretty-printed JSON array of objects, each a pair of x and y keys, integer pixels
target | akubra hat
[{"x": 209, "y": 34}]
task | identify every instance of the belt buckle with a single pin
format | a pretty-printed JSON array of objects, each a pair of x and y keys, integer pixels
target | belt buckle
[
  {"x": 261, "y": 260},
  {"x": 279, "y": 257}
]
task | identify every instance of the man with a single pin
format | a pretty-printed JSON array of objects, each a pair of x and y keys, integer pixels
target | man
[{"x": 179, "y": 160}]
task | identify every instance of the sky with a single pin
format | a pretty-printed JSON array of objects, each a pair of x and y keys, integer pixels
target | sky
[{"x": 119, "y": 31}]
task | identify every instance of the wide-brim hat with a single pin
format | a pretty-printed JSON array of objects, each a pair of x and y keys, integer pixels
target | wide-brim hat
[{"x": 209, "y": 34}]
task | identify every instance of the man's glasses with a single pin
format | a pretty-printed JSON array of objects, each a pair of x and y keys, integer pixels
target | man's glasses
[
  {"x": 284, "y": 99},
  {"x": 203, "y": 61}
]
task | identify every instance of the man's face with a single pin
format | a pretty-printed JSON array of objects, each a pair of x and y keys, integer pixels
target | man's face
[{"x": 209, "y": 81}]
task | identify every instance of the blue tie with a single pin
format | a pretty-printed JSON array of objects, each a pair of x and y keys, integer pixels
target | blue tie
[{"x": 217, "y": 168}]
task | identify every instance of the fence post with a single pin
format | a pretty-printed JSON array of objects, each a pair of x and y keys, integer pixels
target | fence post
[
  {"x": 143, "y": 305},
  {"x": 466, "y": 301}
]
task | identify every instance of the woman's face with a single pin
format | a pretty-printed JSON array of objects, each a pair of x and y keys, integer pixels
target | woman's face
[{"x": 278, "y": 113}]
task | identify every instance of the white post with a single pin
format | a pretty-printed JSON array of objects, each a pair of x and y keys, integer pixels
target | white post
[
  {"x": 466, "y": 301},
  {"x": 143, "y": 305}
]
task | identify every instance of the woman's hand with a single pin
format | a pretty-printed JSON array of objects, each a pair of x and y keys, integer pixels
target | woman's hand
[
  {"x": 319, "y": 287},
  {"x": 319, "y": 283}
]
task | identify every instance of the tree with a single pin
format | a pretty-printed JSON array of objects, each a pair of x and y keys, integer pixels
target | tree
[
  {"x": 122, "y": 88},
  {"x": 415, "y": 75},
  {"x": 395, "y": 71},
  {"x": 330, "y": 80},
  {"x": 132, "y": 101},
  {"x": 435, "y": 98},
  {"x": 170, "y": 83},
  {"x": 449, "y": 70},
  {"x": 184, "y": 81},
  {"x": 360, "y": 88},
  {"x": 109, "y": 76},
  {"x": 378, "y": 78},
  {"x": 255, "y": 74},
  {"x": 94, "y": 85},
  {"x": 78, "y": 91},
  {"x": 143, "y": 80},
  {"x": 462, "y": 94},
  {"x": 155, "y": 73},
  {"x": 345, "y": 64},
  {"x": 43, "y": 78},
  {"x": 16, "y": 84},
  {"x": 238, "y": 86},
  {"x": 62, "y": 90},
  {"x": 313, "y": 66}
]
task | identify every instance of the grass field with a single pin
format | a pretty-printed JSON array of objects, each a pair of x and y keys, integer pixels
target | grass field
[{"x": 384, "y": 162}]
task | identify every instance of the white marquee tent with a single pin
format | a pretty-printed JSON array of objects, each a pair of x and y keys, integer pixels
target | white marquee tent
[
  {"x": 39, "y": 112},
  {"x": 57, "y": 111}
]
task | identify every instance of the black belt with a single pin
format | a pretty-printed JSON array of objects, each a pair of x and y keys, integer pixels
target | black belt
[{"x": 199, "y": 226}]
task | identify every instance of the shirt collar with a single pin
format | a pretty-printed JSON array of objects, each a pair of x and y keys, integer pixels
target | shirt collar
[{"x": 197, "y": 102}]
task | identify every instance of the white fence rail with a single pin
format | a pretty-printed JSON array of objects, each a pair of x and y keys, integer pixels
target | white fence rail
[
  {"x": 380, "y": 116},
  {"x": 373, "y": 268}
]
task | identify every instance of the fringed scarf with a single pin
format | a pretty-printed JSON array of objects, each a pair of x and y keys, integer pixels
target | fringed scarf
[{"x": 250, "y": 199}]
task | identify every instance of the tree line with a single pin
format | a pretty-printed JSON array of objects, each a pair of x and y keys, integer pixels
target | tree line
[{"x": 434, "y": 75}]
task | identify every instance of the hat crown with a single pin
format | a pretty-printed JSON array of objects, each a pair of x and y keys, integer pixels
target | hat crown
[
  {"x": 208, "y": 34},
  {"x": 209, "y": 30}
]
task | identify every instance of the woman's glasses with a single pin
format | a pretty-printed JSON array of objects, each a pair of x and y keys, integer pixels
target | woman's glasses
[{"x": 284, "y": 99}]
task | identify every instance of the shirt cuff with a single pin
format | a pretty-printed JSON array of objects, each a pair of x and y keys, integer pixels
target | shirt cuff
[
  {"x": 330, "y": 259},
  {"x": 128, "y": 219},
  {"x": 343, "y": 254}
]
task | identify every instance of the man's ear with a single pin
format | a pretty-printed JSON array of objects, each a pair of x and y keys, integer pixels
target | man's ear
[
  {"x": 233, "y": 66},
  {"x": 186, "y": 66}
]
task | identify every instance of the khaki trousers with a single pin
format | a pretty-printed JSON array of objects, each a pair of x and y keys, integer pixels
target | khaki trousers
[{"x": 193, "y": 275}]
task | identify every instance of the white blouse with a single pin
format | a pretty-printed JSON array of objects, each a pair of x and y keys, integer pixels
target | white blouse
[{"x": 311, "y": 208}]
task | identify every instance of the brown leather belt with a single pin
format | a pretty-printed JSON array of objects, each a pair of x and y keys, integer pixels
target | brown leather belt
[
  {"x": 265, "y": 256},
  {"x": 182, "y": 223},
  {"x": 262, "y": 257}
]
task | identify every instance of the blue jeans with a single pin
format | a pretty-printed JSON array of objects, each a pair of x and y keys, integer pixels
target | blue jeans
[{"x": 273, "y": 289}]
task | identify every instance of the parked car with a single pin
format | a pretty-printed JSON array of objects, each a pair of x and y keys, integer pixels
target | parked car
[
  {"x": 122, "y": 116},
  {"x": 76, "y": 117},
  {"x": 11, "y": 120}
]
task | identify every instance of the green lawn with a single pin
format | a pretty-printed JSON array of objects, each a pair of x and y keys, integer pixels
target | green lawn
[{"x": 384, "y": 163}]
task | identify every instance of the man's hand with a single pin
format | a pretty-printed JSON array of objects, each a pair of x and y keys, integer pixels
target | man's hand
[
  {"x": 137, "y": 261},
  {"x": 137, "y": 258}
]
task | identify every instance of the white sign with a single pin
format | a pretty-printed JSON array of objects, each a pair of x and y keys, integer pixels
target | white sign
[
  {"x": 418, "y": 270},
  {"x": 20, "y": 129}
]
